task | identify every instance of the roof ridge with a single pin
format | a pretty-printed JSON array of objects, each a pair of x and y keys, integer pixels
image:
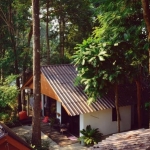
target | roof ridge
[{"x": 58, "y": 65}]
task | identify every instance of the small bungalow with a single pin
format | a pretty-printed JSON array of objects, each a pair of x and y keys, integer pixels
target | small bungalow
[
  {"x": 59, "y": 94},
  {"x": 10, "y": 141}
]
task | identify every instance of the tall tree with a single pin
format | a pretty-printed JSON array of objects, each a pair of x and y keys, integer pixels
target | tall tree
[
  {"x": 146, "y": 15},
  {"x": 73, "y": 24},
  {"x": 36, "y": 127},
  {"x": 14, "y": 18},
  {"x": 47, "y": 31},
  {"x": 131, "y": 22},
  {"x": 12, "y": 33},
  {"x": 114, "y": 35}
]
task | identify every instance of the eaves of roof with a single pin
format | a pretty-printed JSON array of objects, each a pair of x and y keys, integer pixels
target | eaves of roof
[
  {"x": 27, "y": 83},
  {"x": 9, "y": 132}
]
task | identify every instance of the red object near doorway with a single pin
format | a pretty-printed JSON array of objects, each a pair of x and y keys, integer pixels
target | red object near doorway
[
  {"x": 46, "y": 119},
  {"x": 23, "y": 115}
]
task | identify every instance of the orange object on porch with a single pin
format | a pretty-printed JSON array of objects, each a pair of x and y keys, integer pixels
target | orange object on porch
[{"x": 23, "y": 115}]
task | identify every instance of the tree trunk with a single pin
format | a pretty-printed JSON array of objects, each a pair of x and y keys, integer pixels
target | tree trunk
[
  {"x": 23, "y": 91},
  {"x": 146, "y": 15},
  {"x": 1, "y": 78},
  {"x": 1, "y": 70},
  {"x": 61, "y": 28},
  {"x": 24, "y": 74},
  {"x": 36, "y": 121},
  {"x": 117, "y": 107},
  {"x": 30, "y": 35},
  {"x": 138, "y": 84},
  {"x": 47, "y": 33}
]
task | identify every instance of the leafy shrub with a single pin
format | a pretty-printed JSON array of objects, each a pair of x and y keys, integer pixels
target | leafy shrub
[
  {"x": 4, "y": 117},
  {"x": 8, "y": 99},
  {"x": 45, "y": 145},
  {"x": 90, "y": 136}
]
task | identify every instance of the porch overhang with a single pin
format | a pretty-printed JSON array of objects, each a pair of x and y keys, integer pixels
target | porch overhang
[{"x": 46, "y": 89}]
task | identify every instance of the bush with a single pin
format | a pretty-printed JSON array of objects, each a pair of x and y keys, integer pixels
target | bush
[
  {"x": 8, "y": 100},
  {"x": 90, "y": 136},
  {"x": 4, "y": 117},
  {"x": 45, "y": 145}
]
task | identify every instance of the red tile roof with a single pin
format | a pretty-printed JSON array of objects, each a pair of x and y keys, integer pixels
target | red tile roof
[
  {"x": 5, "y": 130},
  {"x": 131, "y": 140}
]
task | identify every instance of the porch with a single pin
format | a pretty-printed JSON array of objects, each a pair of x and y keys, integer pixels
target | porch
[{"x": 62, "y": 139}]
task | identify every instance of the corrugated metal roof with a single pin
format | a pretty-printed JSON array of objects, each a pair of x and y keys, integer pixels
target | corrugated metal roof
[{"x": 61, "y": 78}]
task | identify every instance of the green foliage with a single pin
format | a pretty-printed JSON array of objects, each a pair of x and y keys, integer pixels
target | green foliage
[
  {"x": 14, "y": 35},
  {"x": 77, "y": 26},
  {"x": 90, "y": 136},
  {"x": 8, "y": 116},
  {"x": 8, "y": 93},
  {"x": 147, "y": 105},
  {"x": 4, "y": 117},
  {"x": 112, "y": 54},
  {"x": 45, "y": 145},
  {"x": 98, "y": 67},
  {"x": 8, "y": 99}
]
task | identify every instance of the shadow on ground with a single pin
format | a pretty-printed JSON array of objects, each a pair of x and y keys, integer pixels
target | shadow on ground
[{"x": 61, "y": 139}]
